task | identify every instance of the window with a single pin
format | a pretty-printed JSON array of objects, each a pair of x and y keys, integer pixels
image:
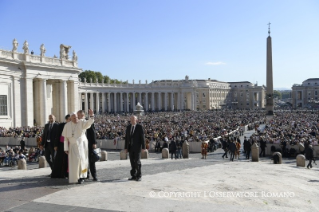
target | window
[
  {"x": 3, "y": 105},
  {"x": 316, "y": 92}
]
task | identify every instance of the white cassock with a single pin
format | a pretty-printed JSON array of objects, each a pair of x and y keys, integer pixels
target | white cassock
[{"x": 76, "y": 143}]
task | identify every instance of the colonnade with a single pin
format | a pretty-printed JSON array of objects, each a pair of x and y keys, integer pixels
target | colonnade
[{"x": 118, "y": 101}]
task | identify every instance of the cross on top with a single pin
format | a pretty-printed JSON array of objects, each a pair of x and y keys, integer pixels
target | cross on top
[{"x": 269, "y": 28}]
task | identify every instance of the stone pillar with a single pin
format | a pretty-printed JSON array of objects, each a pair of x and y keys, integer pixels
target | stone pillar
[
  {"x": 165, "y": 101},
  {"x": 160, "y": 101},
  {"x": 16, "y": 102},
  {"x": 91, "y": 101},
  {"x": 144, "y": 154},
  {"x": 301, "y": 160},
  {"x": 42, "y": 162},
  {"x": 97, "y": 102},
  {"x": 22, "y": 164},
  {"x": 27, "y": 109},
  {"x": 172, "y": 103},
  {"x": 146, "y": 102},
  {"x": 103, "y": 156},
  {"x": 86, "y": 103},
  {"x": 255, "y": 152},
  {"x": 153, "y": 105},
  {"x": 109, "y": 102},
  {"x": 140, "y": 97},
  {"x": 115, "y": 102},
  {"x": 80, "y": 102},
  {"x": 43, "y": 102},
  {"x": 277, "y": 154},
  {"x": 121, "y": 101},
  {"x": 182, "y": 101},
  {"x": 64, "y": 100},
  {"x": 185, "y": 149},
  {"x": 133, "y": 105},
  {"x": 165, "y": 153},
  {"x": 179, "y": 101},
  {"x": 123, "y": 155},
  {"x": 127, "y": 103},
  {"x": 103, "y": 102}
]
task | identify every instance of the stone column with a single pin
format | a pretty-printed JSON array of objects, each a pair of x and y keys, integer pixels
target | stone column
[
  {"x": 103, "y": 102},
  {"x": 121, "y": 101},
  {"x": 109, "y": 102},
  {"x": 182, "y": 101},
  {"x": 172, "y": 103},
  {"x": 16, "y": 102},
  {"x": 91, "y": 101},
  {"x": 115, "y": 102},
  {"x": 86, "y": 103},
  {"x": 64, "y": 100},
  {"x": 178, "y": 101},
  {"x": 127, "y": 103},
  {"x": 75, "y": 90},
  {"x": 153, "y": 105},
  {"x": 159, "y": 101},
  {"x": 43, "y": 102},
  {"x": 146, "y": 101},
  {"x": 140, "y": 97},
  {"x": 165, "y": 101},
  {"x": 133, "y": 105},
  {"x": 97, "y": 102},
  {"x": 27, "y": 109},
  {"x": 80, "y": 101}
]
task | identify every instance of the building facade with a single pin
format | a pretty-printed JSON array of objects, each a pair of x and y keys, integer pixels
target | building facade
[
  {"x": 171, "y": 95},
  {"x": 305, "y": 95},
  {"x": 34, "y": 86}
]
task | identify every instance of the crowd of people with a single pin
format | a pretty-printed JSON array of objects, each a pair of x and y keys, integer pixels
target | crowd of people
[{"x": 288, "y": 128}]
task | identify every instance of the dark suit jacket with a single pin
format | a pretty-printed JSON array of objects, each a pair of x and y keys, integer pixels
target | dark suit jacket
[
  {"x": 91, "y": 136},
  {"x": 59, "y": 134},
  {"x": 137, "y": 138},
  {"x": 53, "y": 134}
]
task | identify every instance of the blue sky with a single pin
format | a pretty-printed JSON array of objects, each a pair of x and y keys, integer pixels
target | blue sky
[{"x": 168, "y": 39}]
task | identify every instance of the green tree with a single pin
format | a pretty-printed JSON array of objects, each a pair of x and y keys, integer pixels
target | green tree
[
  {"x": 88, "y": 74},
  {"x": 277, "y": 94},
  {"x": 99, "y": 77}
]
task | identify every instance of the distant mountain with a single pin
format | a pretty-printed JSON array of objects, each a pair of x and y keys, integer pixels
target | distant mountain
[{"x": 282, "y": 89}]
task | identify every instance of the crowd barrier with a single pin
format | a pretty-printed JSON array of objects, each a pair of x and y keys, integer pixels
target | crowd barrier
[{"x": 296, "y": 147}]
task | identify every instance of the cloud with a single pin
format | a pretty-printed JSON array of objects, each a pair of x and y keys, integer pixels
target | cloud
[{"x": 215, "y": 63}]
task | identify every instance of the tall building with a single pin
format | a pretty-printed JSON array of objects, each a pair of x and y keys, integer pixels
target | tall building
[{"x": 305, "y": 95}]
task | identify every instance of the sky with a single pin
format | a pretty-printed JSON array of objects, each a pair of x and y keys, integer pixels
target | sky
[{"x": 169, "y": 39}]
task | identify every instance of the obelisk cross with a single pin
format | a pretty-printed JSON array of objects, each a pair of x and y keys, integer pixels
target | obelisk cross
[{"x": 269, "y": 28}]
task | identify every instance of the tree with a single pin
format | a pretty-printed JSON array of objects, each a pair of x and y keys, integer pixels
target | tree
[
  {"x": 97, "y": 77},
  {"x": 88, "y": 74},
  {"x": 277, "y": 94}
]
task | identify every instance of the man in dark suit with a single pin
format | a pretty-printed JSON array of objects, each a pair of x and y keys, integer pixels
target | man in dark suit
[
  {"x": 48, "y": 140},
  {"x": 22, "y": 144},
  {"x": 134, "y": 144},
  {"x": 90, "y": 134}
]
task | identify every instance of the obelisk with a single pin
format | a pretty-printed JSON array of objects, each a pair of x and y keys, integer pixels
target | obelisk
[{"x": 270, "y": 87}]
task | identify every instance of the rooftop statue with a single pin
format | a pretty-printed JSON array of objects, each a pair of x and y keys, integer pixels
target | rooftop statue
[
  {"x": 75, "y": 57},
  {"x": 26, "y": 47},
  {"x": 42, "y": 50},
  {"x": 15, "y": 45}
]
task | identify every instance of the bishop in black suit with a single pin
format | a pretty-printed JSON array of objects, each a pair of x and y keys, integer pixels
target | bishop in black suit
[
  {"x": 134, "y": 144},
  {"x": 49, "y": 137}
]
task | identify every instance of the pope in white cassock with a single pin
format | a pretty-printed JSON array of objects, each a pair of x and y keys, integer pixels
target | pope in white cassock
[{"x": 76, "y": 146}]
